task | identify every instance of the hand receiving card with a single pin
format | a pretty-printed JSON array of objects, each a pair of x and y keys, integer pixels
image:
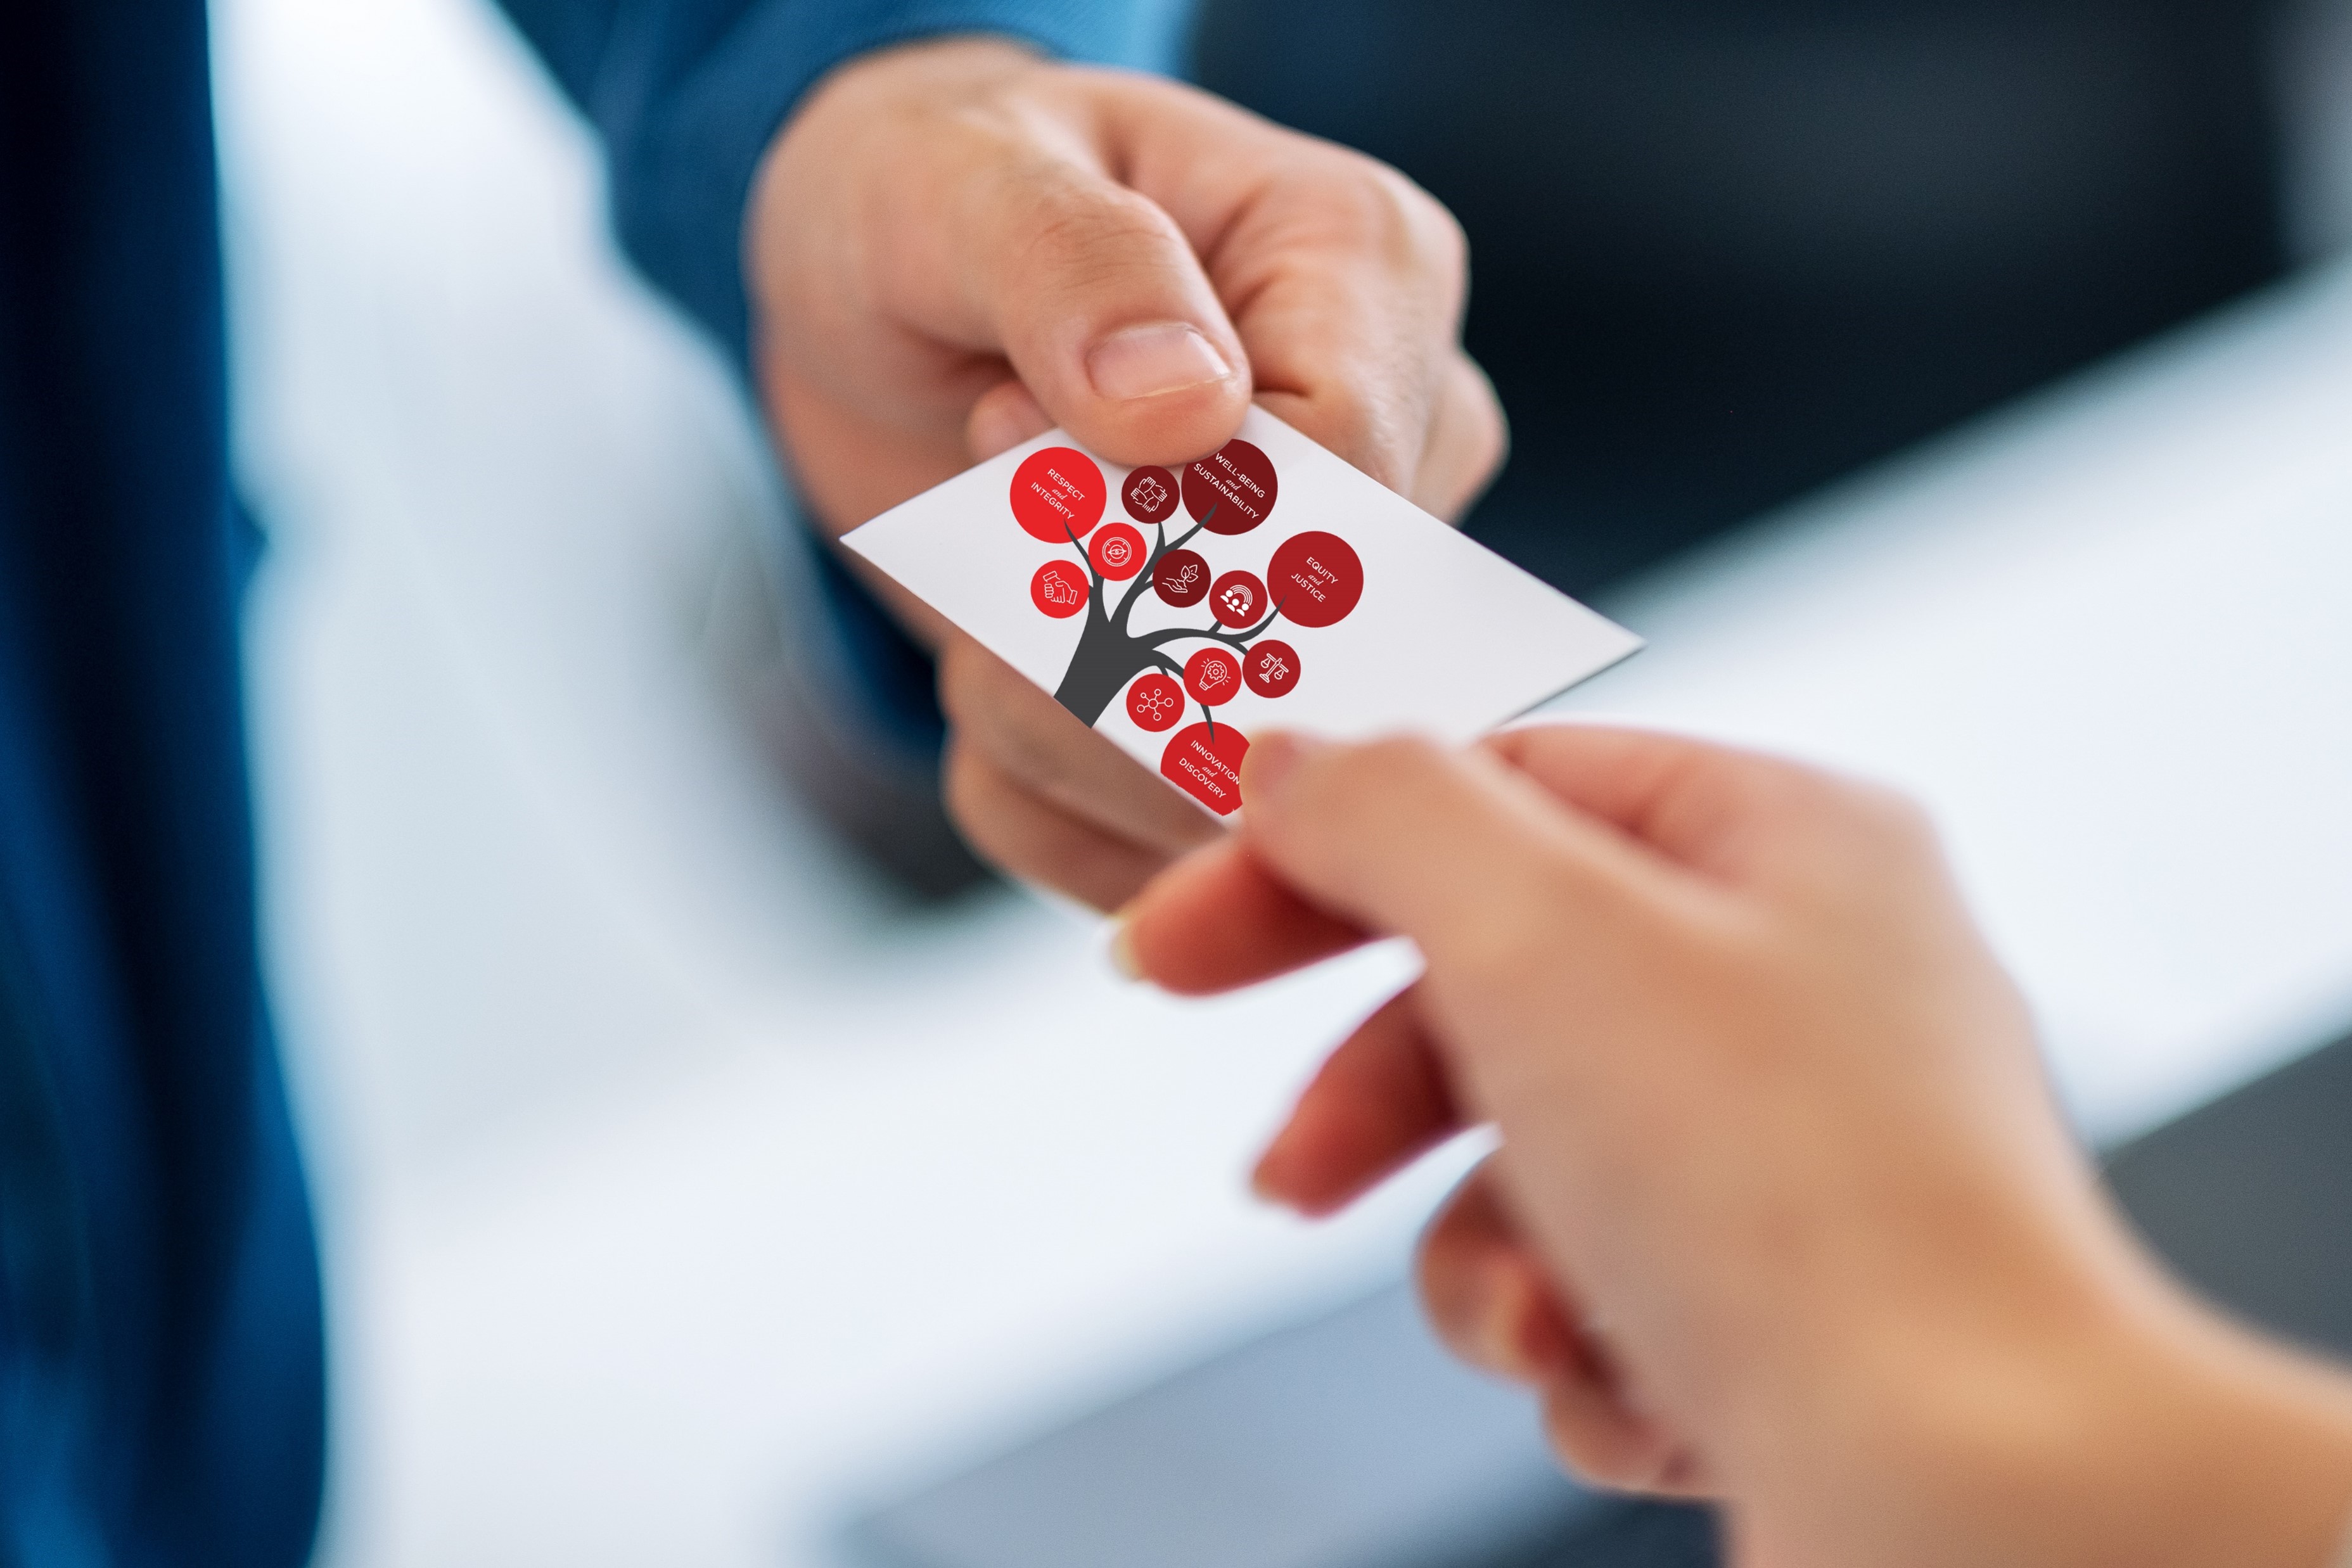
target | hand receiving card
[{"x": 1266, "y": 585}]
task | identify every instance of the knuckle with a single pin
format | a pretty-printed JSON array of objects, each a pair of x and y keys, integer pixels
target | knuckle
[
  {"x": 1903, "y": 819},
  {"x": 1846, "y": 827},
  {"x": 1778, "y": 789},
  {"x": 966, "y": 790},
  {"x": 1882, "y": 811},
  {"x": 1411, "y": 226},
  {"x": 1517, "y": 932},
  {"x": 1449, "y": 1286},
  {"x": 1026, "y": 745},
  {"x": 1087, "y": 227},
  {"x": 1582, "y": 1448},
  {"x": 960, "y": 678},
  {"x": 1410, "y": 761},
  {"x": 1488, "y": 429},
  {"x": 1360, "y": 203},
  {"x": 1518, "y": 939},
  {"x": 1441, "y": 234}
]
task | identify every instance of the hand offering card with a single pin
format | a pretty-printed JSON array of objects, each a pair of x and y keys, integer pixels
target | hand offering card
[{"x": 1266, "y": 585}]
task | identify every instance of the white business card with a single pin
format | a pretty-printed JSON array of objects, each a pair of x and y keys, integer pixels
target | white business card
[{"x": 1266, "y": 585}]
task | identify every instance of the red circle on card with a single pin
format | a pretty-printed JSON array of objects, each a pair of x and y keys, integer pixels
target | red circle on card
[
  {"x": 1155, "y": 702},
  {"x": 1270, "y": 668},
  {"x": 1238, "y": 599},
  {"x": 1116, "y": 551},
  {"x": 1232, "y": 490},
  {"x": 1317, "y": 578},
  {"x": 1207, "y": 766},
  {"x": 1214, "y": 675},
  {"x": 1150, "y": 495},
  {"x": 1059, "y": 589},
  {"x": 1058, "y": 494},
  {"x": 1182, "y": 578}
]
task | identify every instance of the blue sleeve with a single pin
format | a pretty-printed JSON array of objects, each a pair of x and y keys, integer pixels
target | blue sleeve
[{"x": 685, "y": 95}]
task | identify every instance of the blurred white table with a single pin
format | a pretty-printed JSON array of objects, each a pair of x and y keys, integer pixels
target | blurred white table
[{"x": 676, "y": 1183}]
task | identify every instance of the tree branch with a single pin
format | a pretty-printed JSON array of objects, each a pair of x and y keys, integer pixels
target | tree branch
[
  {"x": 1160, "y": 532},
  {"x": 1126, "y": 605},
  {"x": 1095, "y": 595},
  {"x": 1230, "y": 639}
]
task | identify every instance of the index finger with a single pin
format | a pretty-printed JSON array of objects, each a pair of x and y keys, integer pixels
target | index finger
[
  {"x": 1221, "y": 918},
  {"x": 1345, "y": 281},
  {"x": 1218, "y": 919}
]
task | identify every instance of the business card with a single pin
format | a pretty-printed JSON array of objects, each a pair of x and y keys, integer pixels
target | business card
[{"x": 1267, "y": 584}]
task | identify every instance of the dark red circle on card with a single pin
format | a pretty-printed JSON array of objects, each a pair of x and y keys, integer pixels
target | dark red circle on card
[
  {"x": 1150, "y": 495},
  {"x": 1317, "y": 578},
  {"x": 1214, "y": 675},
  {"x": 1155, "y": 702},
  {"x": 1207, "y": 766},
  {"x": 1270, "y": 668},
  {"x": 1060, "y": 588},
  {"x": 1116, "y": 551},
  {"x": 1238, "y": 599},
  {"x": 1058, "y": 494},
  {"x": 1182, "y": 578},
  {"x": 1232, "y": 490}
]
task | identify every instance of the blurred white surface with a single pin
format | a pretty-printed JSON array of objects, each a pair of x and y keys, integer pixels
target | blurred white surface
[
  {"x": 2107, "y": 636},
  {"x": 675, "y": 1179}
]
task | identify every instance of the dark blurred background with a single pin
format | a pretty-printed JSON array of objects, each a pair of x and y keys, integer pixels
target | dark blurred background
[{"x": 1725, "y": 252}]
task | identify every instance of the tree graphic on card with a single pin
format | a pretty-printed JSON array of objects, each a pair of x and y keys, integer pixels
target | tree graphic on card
[{"x": 1313, "y": 580}]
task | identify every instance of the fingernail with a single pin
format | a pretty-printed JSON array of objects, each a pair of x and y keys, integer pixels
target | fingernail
[
  {"x": 1271, "y": 761},
  {"x": 1123, "y": 955},
  {"x": 1147, "y": 361}
]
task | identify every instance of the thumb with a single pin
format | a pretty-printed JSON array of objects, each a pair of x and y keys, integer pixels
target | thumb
[
  {"x": 1469, "y": 858},
  {"x": 1096, "y": 298}
]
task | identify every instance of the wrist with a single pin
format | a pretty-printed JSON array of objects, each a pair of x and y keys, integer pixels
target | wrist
[{"x": 2130, "y": 1426}]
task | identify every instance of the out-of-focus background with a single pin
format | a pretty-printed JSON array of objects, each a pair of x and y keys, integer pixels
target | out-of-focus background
[{"x": 683, "y": 1182}]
